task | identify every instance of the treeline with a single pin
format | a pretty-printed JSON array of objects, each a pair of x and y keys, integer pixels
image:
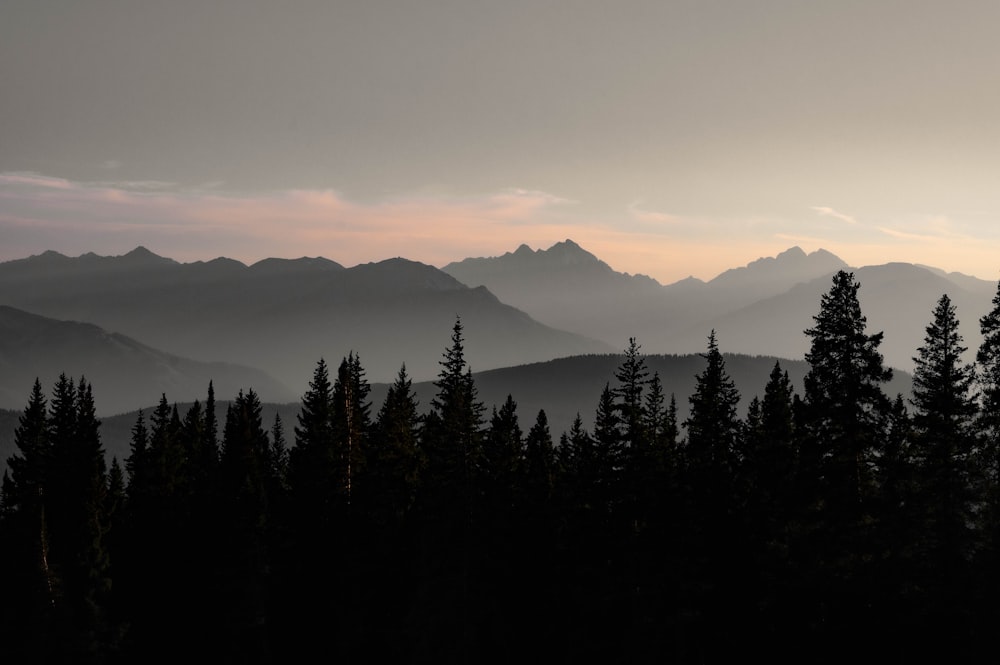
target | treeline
[{"x": 836, "y": 523}]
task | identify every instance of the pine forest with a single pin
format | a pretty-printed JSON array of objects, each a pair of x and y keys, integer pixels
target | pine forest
[{"x": 832, "y": 522}]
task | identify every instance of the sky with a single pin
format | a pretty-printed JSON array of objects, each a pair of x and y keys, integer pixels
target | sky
[{"x": 670, "y": 138}]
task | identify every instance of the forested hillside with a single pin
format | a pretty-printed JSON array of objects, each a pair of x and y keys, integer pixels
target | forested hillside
[{"x": 837, "y": 522}]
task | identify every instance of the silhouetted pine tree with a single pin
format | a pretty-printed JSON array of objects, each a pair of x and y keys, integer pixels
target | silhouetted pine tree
[
  {"x": 715, "y": 549},
  {"x": 944, "y": 443},
  {"x": 60, "y": 499},
  {"x": 539, "y": 464},
  {"x": 32, "y": 588},
  {"x": 312, "y": 462},
  {"x": 450, "y": 567},
  {"x": 387, "y": 491},
  {"x": 452, "y": 440},
  {"x": 351, "y": 424},
  {"x": 713, "y": 434},
  {"x": 632, "y": 377},
  {"x": 766, "y": 483},
  {"x": 844, "y": 426},
  {"x": 311, "y": 561},
  {"x": 394, "y": 472},
  {"x": 503, "y": 459},
  {"x": 897, "y": 591},
  {"x": 276, "y": 461},
  {"x": 987, "y": 461},
  {"x": 609, "y": 454},
  {"x": 244, "y": 578}
]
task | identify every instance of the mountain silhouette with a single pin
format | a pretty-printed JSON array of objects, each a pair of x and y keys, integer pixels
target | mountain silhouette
[
  {"x": 760, "y": 308},
  {"x": 283, "y": 315},
  {"x": 125, "y": 374}
]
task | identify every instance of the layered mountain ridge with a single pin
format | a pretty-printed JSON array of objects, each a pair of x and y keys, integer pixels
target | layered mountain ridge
[{"x": 283, "y": 315}]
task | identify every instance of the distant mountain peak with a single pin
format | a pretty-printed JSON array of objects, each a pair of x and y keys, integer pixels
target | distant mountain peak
[
  {"x": 792, "y": 264},
  {"x": 569, "y": 252},
  {"x": 50, "y": 254},
  {"x": 142, "y": 256},
  {"x": 791, "y": 252},
  {"x": 142, "y": 252}
]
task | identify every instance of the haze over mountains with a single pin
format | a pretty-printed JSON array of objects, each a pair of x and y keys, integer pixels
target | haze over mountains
[
  {"x": 127, "y": 374},
  {"x": 281, "y": 316},
  {"x": 140, "y": 324},
  {"x": 760, "y": 308}
]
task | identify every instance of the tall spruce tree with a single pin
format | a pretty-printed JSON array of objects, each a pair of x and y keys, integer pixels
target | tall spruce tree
[
  {"x": 769, "y": 449},
  {"x": 713, "y": 428},
  {"x": 503, "y": 457},
  {"x": 312, "y": 466},
  {"x": 608, "y": 453},
  {"x": 243, "y": 474},
  {"x": 843, "y": 392},
  {"x": 844, "y": 425},
  {"x": 715, "y": 556},
  {"x": 988, "y": 459},
  {"x": 351, "y": 423},
  {"x": 453, "y": 438},
  {"x": 632, "y": 377},
  {"x": 944, "y": 443},
  {"x": 29, "y": 465},
  {"x": 394, "y": 471},
  {"x": 31, "y": 594},
  {"x": 539, "y": 463}
]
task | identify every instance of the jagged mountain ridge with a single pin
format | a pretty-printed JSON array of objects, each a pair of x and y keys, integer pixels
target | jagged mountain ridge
[
  {"x": 568, "y": 287},
  {"x": 760, "y": 308},
  {"x": 283, "y": 315}
]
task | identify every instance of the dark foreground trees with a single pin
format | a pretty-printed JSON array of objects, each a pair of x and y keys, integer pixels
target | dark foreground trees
[{"x": 793, "y": 527}]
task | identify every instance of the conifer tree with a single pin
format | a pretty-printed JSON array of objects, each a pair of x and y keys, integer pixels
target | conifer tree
[
  {"x": 769, "y": 447},
  {"x": 846, "y": 407},
  {"x": 394, "y": 472},
  {"x": 453, "y": 438},
  {"x": 351, "y": 423},
  {"x": 539, "y": 462},
  {"x": 713, "y": 427},
  {"x": 277, "y": 457},
  {"x": 244, "y": 476},
  {"x": 503, "y": 455},
  {"x": 90, "y": 559},
  {"x": 944, "y": 442},
  {"x": 60, "y": 502},
  {"x": 579, "y": 464},
  {"x": 632, "y": 377},
  {"x": 29, "y": 466},
  {"x": 137, "y": 463},
  {"x": 312, "y": 460},
  {"x": 988, "y": 459},
  {"x": 211, "y": 428},
  {"x": 843, "y": 427},
  {"x": 660, "y": 425},
  {"x": 608, "y": 452},
  {"x": 35, "y": 590}
]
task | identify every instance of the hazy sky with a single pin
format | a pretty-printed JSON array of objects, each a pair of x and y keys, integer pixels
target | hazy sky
[{"x": 668, "y": 137}]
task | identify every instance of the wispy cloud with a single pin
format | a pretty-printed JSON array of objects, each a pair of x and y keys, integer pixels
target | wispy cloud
[
  {"x": 188, "y": 223},
  {"x": 39, "y": 212},
  {"x": 830, "y": 212},
  {"x": 640, "y": 214},
  {"x": 28, "y": 179}
]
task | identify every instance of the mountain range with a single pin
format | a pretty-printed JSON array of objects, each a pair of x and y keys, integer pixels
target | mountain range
[
  {"x": 139, "y": 325},
  {"x": 282, "y": 316},
  {"x": 760, "y": 308},
  {"x": 126, "y": 374}
]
